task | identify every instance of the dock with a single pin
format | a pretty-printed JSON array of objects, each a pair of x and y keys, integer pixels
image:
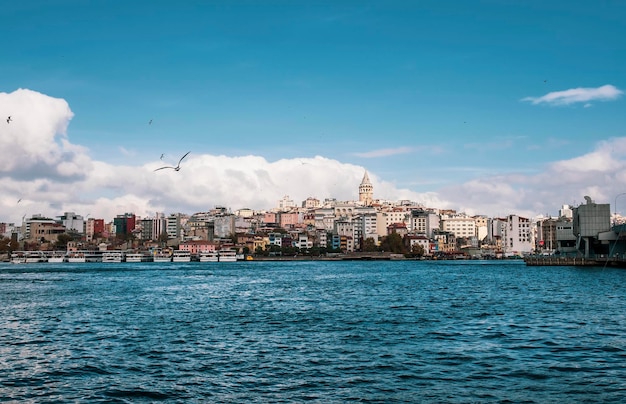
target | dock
[{"x": 536, "y": 261}]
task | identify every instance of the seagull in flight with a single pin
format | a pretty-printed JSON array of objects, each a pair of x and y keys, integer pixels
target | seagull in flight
[
  {"x": 177, "y": 168},
  {"x": 9, "y": 119}
]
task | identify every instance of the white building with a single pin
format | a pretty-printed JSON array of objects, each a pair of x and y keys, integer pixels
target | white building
[
  {"x": 72, "y": 221},
  {"x": 424, "y": 222},
  {"x": 517, "y": 238},
  {"x": 461, "y": 227}
]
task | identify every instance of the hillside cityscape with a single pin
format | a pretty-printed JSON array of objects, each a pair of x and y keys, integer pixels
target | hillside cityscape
[{"x": 323, "y": 227}]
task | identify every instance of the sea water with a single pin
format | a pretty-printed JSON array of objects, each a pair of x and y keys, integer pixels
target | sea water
[{"x": 327, "y": 332}]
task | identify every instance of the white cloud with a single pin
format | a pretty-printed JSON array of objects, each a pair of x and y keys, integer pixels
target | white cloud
[
  {"x": 34, "y": 143},
  {"x": 51, "y": 176},
  {"x": 598, "y": 174},
  {"x": 577, "y": 95}
]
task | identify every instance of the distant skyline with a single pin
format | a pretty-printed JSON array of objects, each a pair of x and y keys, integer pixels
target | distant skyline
[{"x": 491, "y": 107}]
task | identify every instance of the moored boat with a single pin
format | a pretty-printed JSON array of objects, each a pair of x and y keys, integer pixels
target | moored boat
[
  {"x": 162, "y": 256},
  {"x": 138, "y": 257},
  {"x": 113, "y": 256},
  {"x": 209, "y": 256},
  {"x": 84, "y": 256},
  {"x": 35, "y": 256},
  {"x": 227, "y": 256},
  {"x": 18, "y": 257},
  {"x": 57, "y": 257},
  {"x": 181, "y": 256}
]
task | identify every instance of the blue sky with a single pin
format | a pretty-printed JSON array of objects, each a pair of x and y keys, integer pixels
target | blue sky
[{"x": 438, "y": 101}]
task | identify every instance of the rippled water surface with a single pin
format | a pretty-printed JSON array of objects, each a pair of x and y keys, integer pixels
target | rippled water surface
[{"x": 469, "y": 331}]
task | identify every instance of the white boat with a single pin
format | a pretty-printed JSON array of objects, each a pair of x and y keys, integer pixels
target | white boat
[
  {"x": 162, "y": 257},
  {"x": 84, "y": 256},
  {"x": 138, "y": 257},
  {"x": 227, "y": 255},
  {"x": 209, "y": 256},
  {"x": 181, "y": 256},
  {"x": 35, "y": 256},
  {"x": 18, "y": 258},
  {"x": 93, "y": 256},
  {"x": 113, "y": 256},
  {"x": 76, "y": 256},
  {"x": 57, "y": 256}
]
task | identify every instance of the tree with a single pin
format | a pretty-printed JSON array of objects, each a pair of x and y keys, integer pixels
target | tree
[
  {"x": 369, "y": 245},
  {"x": 62, "y": 240},
  {"x": 4, "y": 244},
  {"x": 393, "y": 243},
  {"x": 417, "y": 250}
]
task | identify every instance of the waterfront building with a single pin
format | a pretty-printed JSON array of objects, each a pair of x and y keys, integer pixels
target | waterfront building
[
  {"x": 345, "y": 229},
  {"x": 42, "y": 231},
  {"x": 393, "y": 215},
  {"x": 421, "y": 240},
  {"x": 462, "y": 227},
  {"x": 159, "y": 225},
  {"x": 94, "y": 228},
  {"x": 34, "y": 220},
  {"x": 365, "y": 227},
  {"x": 517, "y": 237},
  {"x": 444, "y": 241},
  {"x": 325, "y": 219},
  {"x": 290, "y": 220},
  {"x": 224, "y": 225},
  {"x": 592, "y": 227},
  {"x": 424, "y": 222},
  {"x": 321, "y": 238},
  {"x": 124, "y": 224},
  {"x": 481, "y": 227},
  {"x": 72, "y": 221},
  {"x": 565, "y": 237},
  {"x": 174, "y": 225},
  {"x": 194, "y": 247},
  {"x": 546, "y": 235}
]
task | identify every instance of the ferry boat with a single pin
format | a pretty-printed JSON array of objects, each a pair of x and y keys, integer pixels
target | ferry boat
[
  {"x": 209, "y": 256},
  {"x": 137, "y": 257},
  {"x": 162, "y": 256},
  {"x": 227, "y": 255},
  {"x": 84, "y": 256},
  {"x": 57, "y": 256},
  {"x": 35, "y": 256},
  {"x": 18, "y": 257},
  {"x": 113, "y": 256},
  {"x": 181, "y": 256},
  {"x": 76, "y": 256}
]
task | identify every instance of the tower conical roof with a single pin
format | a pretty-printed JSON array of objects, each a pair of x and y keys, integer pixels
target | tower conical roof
[{"x": 366, "y": 179}]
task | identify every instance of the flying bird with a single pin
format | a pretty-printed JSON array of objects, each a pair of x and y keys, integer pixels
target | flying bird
[
  {"x": 177, "y": 168},
  {"x": 150, "y": 122},
  {"x": 162, "y": 155},
  {"x": 9, "y": 119}
]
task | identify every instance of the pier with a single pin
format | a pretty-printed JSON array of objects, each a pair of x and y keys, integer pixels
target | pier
[{"x": 574, "y": 261}]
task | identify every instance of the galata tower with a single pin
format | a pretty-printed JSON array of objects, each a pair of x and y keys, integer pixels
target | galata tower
[{"x": 366, "y": 191}]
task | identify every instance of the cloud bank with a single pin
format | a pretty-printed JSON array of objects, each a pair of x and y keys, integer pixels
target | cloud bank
[
  {"x": 41, "y": 171},
  {"x": 577, "y": 95}
]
